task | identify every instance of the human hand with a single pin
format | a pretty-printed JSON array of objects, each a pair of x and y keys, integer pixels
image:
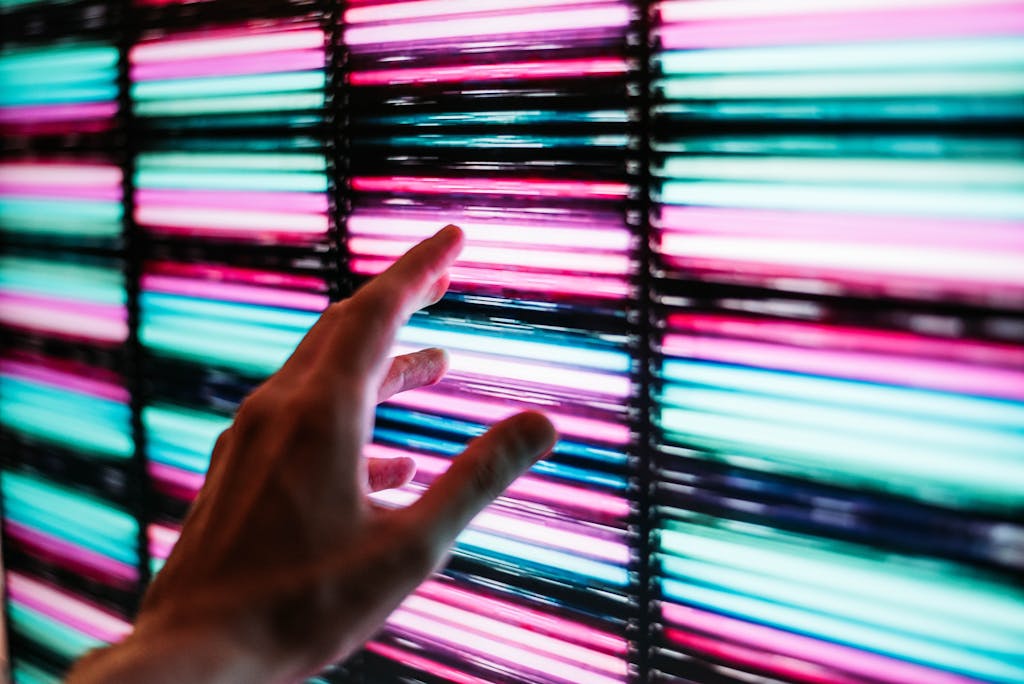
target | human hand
[{"x": 284, "y": 564}]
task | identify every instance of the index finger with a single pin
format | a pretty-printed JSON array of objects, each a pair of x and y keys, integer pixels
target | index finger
[{"x": 359, "y": 336}]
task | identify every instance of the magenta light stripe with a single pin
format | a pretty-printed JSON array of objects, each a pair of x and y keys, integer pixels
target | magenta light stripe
[
  {"x": 535, "y": 187},
  {"x": 231, "y": 221},
  {"x": 914, "y": 372},
  {"x": 849, "y": 338},
  {"x": 998, "y": 18},
  {"x": 235, "y": 293},
  {"x": 33, "y": 127},
  {"x": 51, "y": 113},
  {"x": 162, "y": 540},
  {"x": 59, "y": 174},
  {"x": 218, "y": 272},
  {"x": 552, "y": 20},
  {"x": 71, "y": 610},
  {"x": 862, "y": 664},
  {"x": 79, "y": 559},
  {"x": 184, "y": 483},
  {"x": 60, "y": 192},
  {"x": 517, "y": 256},
  {"x": 64, "y": 381},
  {"x": 291, "y": 60},
  {"x": 396, "y": 11},
  {"x": 292, "y": 202},
  {"x": 527, "y": 487},
  {"x": 425, "y": 664},
  {"x": 566, "y": 68},
  {"x": 527, "y": 618},
  {"x": 844, "y": 228},
  {"x": 227, "y": 43},
  {"x": 523, "y": 281},
  {"x": 480, "y": 622},
  {"x": 481, "y": 410},
  {"x": 78, "y": 320}
]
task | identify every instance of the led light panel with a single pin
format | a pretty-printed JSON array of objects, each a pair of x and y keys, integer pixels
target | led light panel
[
  {"x": 839, "y": 193},
  {"x": 58, "y": 89}
]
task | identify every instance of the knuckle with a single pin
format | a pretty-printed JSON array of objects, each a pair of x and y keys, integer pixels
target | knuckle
[{"x": 487, "y": 476}]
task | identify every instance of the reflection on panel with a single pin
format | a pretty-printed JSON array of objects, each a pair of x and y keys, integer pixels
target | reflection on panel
[{"x": 840, "y": 406}]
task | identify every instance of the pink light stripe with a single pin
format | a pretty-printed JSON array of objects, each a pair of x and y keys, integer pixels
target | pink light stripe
[
  {"x": 792, "y": 668},
  {"x": 535, "y": 187},
  {"x": 475, "y": 620},
  {"x": 59, "y": 127},
  {"x": 537, "y": 21},
  {"x": 84, "y": 561},
  {"x": 527, "y": 487},
  {"x": 523, "y": 281},
  {"x": 64, "y": 381},
  {"x": 481, "y": 410},
  {"x": 540, "y": 232},
  {"x": 844, "y": 228},
  {"x": 291, "y": 60},
  {"x": 78, "y": 320},
  {"x": 849, "y": 338},
  {"x": 72, "y": 611},
  {"x": 527, "y": 618},
  {"x": 60, "y": 192},
  {"x": 424, "y": 664},
  {"x": 274, "y": 279},
  {"x": 566, "y": 68},
  {"x": 395, "y": 11},
  {"x": 230, "y": 42},
  {"x": 234, "y": 221},
  {"x": 861, "y": 664},
  {"x": 52, "y": 113},
  {"x": 183, "y": 484},
  {"x": 59, "y": 175},
  {"x": 997, "y": 19},
  {"x": 536, "y": 258},
  {"x": 235, "y": 293},
  {"x": 452, "y": 636},
  {"x": 162, "y": 540},
  {"x": 290, "y": 202},
  {"x": 937, "y": 375}
]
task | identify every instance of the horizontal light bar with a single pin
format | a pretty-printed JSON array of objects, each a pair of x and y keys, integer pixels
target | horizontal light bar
[
  {"x": 235, "y": 162},
  {"x": 232, "y": 43},
  {"x": 993, "y": 18},
  {"x": 69, "y": 555},
  {"x": 231, "y": 180},
  {"x": 538, "y": 188},
  {"x": 271, "y": 63},
  {"x": 500, "y": 118},
  {"x": 22, "y": 174},
  {"x": 230, "y": 104},
  {"x": 59, "y": 62},
  {"x": 910, "y": 56},
  {"x": 232, "y": 222},
  {"x": 233, "y": 292},
  {"x": 179, "y": 89},
  {"x": 506, "y": 71},
  {"x": 696, "y": 10},
  {"x": 284, "y": 201},
  {"x": 66, "y": 608},
  {"x": 38, "y": 114},
  {"x": 548, "y": 21},
  {"x": 421, "y": 9},
  {"x": 86, "y": 380}
]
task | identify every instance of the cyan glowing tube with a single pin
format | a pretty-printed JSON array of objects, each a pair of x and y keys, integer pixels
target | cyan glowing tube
[
  {"x": 224, "y": 86},
  {"x": 180, "y": 437},
  {"x": 259, "y": 181},
  {"x": 499, "y": 118},
  {"x": 509, "y": 71},
  {"x": 76, "y": 282},
  {"x": 230, "y": 104},
  {"x": 25, "y": 673}
]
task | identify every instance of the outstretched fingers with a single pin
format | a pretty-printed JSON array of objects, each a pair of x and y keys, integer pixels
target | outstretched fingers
[{"x": 410, "y": 371}]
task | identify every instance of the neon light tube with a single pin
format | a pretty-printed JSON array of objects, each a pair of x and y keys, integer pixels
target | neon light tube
[
  {"x": 26, "y": 673},
  {"x": 291, "y": 202},
  {"x": 232, "y": 43},
  {"x": 41, "y": 372},
  {"x": 80, "y": 559},
  {"x": 231, "y": 180},
  {"x": 59, "y": 112},
  {"x": 274, "y": 62},
  {"x": 83, "y": 175},
  {"x": 237, "y": 162},
  {"x": 62, "y": 606},
  {"x": 551, "y": 20},
  {"x": 232, "y": 221},
  {"x": 909, "y": 56},
  {"x": 694, "y": 10},
  {"x": 50, "y": 632},
  {"x": 959, "y": 21},
  {"x": 493, "y": 186},
  {"x": 413, "y": 660},
  {"x": 507, "y": 71},
  {"x": 230, "y": 104},
  {"x": 243, "y": 294},
  {"x": 75, "y": 320},
  {"x": 234, "y": 85},
  {"x": 396, "y": 11}
]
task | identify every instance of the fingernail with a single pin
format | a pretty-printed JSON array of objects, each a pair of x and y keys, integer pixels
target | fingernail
[{"x": 449, "y": 233}]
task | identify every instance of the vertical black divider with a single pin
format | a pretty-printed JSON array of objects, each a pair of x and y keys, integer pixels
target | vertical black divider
[
  {"x": 134, "y": 258},
  {"x": 643, "y": 329}
]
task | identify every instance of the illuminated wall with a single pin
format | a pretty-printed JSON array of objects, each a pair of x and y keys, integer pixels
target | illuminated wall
[{"x": 762, "y": 263}]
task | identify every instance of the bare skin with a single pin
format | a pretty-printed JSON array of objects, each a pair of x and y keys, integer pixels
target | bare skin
[{"x": 284, "y": 563}]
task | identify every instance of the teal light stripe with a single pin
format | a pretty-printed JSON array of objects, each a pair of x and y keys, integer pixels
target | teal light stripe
[
  {"x": 904, "y": 56},
  {"x": 867, "y": 199},
  {"x": 235, "y": 163},
  {"x": 51, "y": 634},
  {"x": 505, "y": 141},
  {"x": 178, "y": 89},
  {"x": 26, "y": 673},
  {"x": 167, "y": 306},
  {"x": 74, "y": 282},
  {"x": 231, "y": 180},
  {"x": 180, "y": 437},
  {"x": 75, "y": 59},
  {"x": 933, "y": 405},
  {"x": 980, "y": 82},
  {"x": 230, "y": 105},
  {"x": 86, "y": 211},
  {"x": 502, "y": 118},
  {"x": 56, "y": 94}
]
